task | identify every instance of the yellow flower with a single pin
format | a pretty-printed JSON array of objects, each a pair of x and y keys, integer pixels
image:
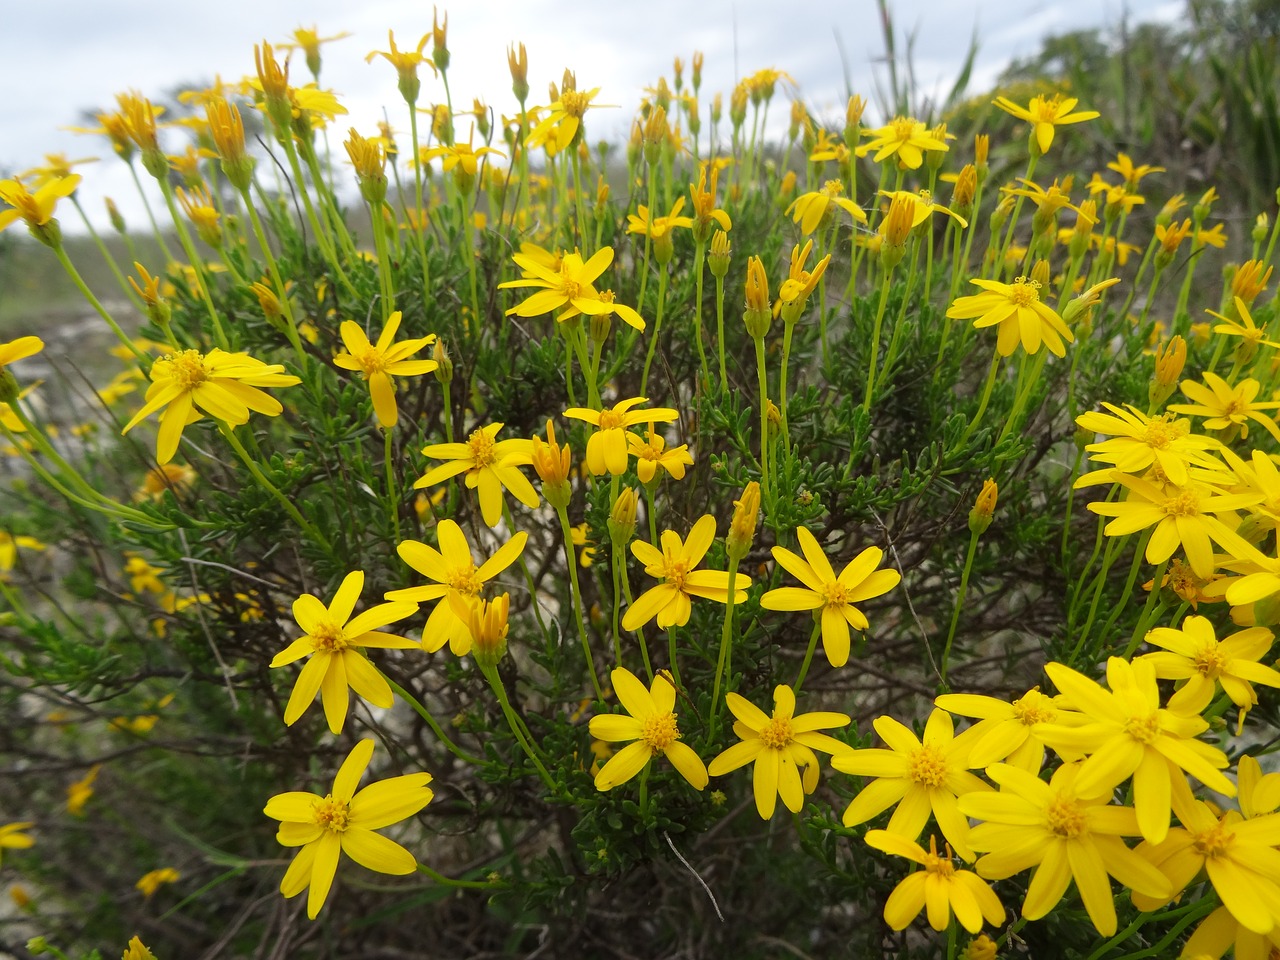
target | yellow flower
[
  {"x": 1066, "y": 832},
  {"x": 9, "y": 545},
  {"x": 939, "y": 888},
  {"x": 566, "y": 283},
  {"x": 1016, "y": 309},
  {"x": 586, "y": 547},
  {"x": 1130, "y": 734},
  {"x": 904, "y": 137},
  {"x": 919, "y": 775},
  {"x": 79, "y": 792},
  {"x": 489, "y": 465},
  {"x": 922, "y": 206},
  {"x": 651, "y": 725},
  {"x": 223, "y": 385},
  {"x": 1197, "y": 656},
  {"x": 308, "y": 41},
  {"x": 13, "y": 836},
  {"x": 456, "y": 578},
  {"x": 406, "y": 63},
  {"x": 1009, "y": 728},
  {"x": 36, "y": 209},
  {"x": 170, "y": 478},
  {"x": 381, "y": 361},
  {"x": 1213, "y": 237},
  {"x": 1250, "y": 334},
  {"x": 654, "y": 453},
  {"x": 137, "y": 950},
  {"x": 1132, "y": 175},
  {"x": 811, "y": 208},
  {"x": 150, "y": 882},
  {"x": 800, "y": 283},
  {"x": 1138, "y": 441},
  {"x": 674, "y": 564},
  {"x": 344, "y": 821},
  {"x": 607, "y": 448},
  {"x": 833, "y": 595},
  {"x": 704, "y": 204},
  {"x": 1044, "y": 114},
  {"x": 557, "y": 130},
  {"x": 657, "y": 227},
  {"x": 333, "y": 638},
  {"x": 1227, "y": 408},
  {"x": 781, "y": 747}
]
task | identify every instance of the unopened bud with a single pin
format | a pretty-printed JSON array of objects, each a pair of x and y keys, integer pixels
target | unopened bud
[
  {"x": 742, "y": 528},
  {"x": 1171, "y": 357},
  {"x": 440, "y": 41},
  {"x": 981, "y": 947},
  {"x": 622, "y": 517},
  {"x": 117, "y": 221},
  {"x": 718, "y": 258},
  {"x": 551, "y": 462},
  {"x": 983, "y": 508},
  {"x": 518, "y": 61},
  {"x": 758, "y": 314},
  {"x": 487, "y": 625},
  {"x": 444, "y": 364}
]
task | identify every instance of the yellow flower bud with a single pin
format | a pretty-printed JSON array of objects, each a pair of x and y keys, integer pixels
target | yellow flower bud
[
  {"x": 966, "y": 187},
  {"x": 518, "y": 61},
  {"x": 983, "y": 507},
  {"x": 622, "y": 517},
  {"x": 742, "y": 528},
  {"x": 655, "y": 134},
  {"x": 758, "y": 314},
  {"x": 697, "y": 70},
  {"x": 1171, "y": 357},
  {"x": 551, "y": 461},
  {"x": 981, "y": 145},
  {"x": 1261, "y": 226},
  {"x": 488, "y": 626},
  {"x": 1249, "y": 281},
  {"x": 718, "y": 258},
  {"x": 439, "y": 41},
  {"x": 1040, "y": 273},
  {"x": 980, "y": 947},
  {"x": 117, "y": 221},
  {"x": 444, "y": 364}
]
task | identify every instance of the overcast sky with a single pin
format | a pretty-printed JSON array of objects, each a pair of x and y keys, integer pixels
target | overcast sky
[{"x": 76, "y": 54}]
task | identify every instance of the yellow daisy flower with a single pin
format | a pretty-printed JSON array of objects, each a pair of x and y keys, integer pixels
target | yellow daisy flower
[
  {"x": 674, "y": 564},
  {"x": 782, "y": 748},
  {"x": 831, "y": 597},
  {"x": 904, "y": 137},
  {"x": 1016, "y": 309},
  {"x": 13, "y": 836},
  {"x": 223, "y": 385},
  {"x": 490, "y": 466},
  {"x": 456, "y": 575},
  {"x": 811, "y": 208},
  {"x": 333, "y": 638},
  {"x": 939, "y": 888},
  {"x": 35, "y": 209},
  {"x": 920, "y": 775},
  {"x": 653, "y": 453},
  {"x": 1065, "y": 832},
  {"x": 607, "y": 448},
  {"x": 1044, "y": 114},
  {"x": 381, "y": 361},
  {"x": 565, "y": 283},
  {"x": 651, "y": 725},
  {"x": 344, "y": 821}
]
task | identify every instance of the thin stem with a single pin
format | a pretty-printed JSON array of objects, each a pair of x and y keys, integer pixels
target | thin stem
[
  {"x": 425, "y": 714},
  {"x": 808, "y": 654},
  {"x": 580, "y": 621},
  {"x": 955, "y": 613}
]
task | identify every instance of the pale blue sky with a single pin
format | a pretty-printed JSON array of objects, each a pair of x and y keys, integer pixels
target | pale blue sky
[{"x": 55, "y": 67}]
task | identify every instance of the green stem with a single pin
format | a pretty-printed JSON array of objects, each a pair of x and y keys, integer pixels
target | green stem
[
  {"x": 875, "y": 338},
  {"x": 955, "y": 613},
  {"x": 567, "y": 534},
  {"x": 513, "y": 722},
  {"x": 986, "y": 397},
  {"x": 393, "y": 494},
  {"x": 808, "y": 654},
  {"x": 425, "y": 714},
  {"x": 657, "y": 325},
  {"x": 229, "y": 432},
  {"x": 83, "y": 287},
  {"x": 724, "y": 379},
  {"x": 698, "y": 259},
  {"x": 726, "y": 640}
]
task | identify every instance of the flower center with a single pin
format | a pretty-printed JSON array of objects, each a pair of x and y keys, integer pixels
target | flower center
[
  {"x": 1066, "y": 817},
  {"x": 481, "y": 445},
  {"x": 187, "y": 368},
  {"x": 833, "y": 188},
  {"x": 464, "y": 580},
  {"x": 1214, "y": 842},
  {"x": 611, "y": 420},
  {"x": 836, "y": 593},
  {"x": 1024, "y": 292},
  {"x": 574, "y": 103},
  {"x": 1209, "y": 660},
  {"x": 1044, "y": 110},
  {"x": 659, "y": 731},
  {"x": 1144, "y": 729},
  {"x": 928, "y": 766},
  {"x": 676, "y": 571},
  {"x": 1160, "y": 433},
  {"x": 1185, "y": 504},
  {"x": 939, "y": 866},
  {"x": 372, "y": 361},
  {"x": 1034, "y": 707},
  {"x": 776, "y": 733},
  {"x": 328, "y": 638},
  {"x": 904, "y": 128},
  {"x": 332, "y": 814}
]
